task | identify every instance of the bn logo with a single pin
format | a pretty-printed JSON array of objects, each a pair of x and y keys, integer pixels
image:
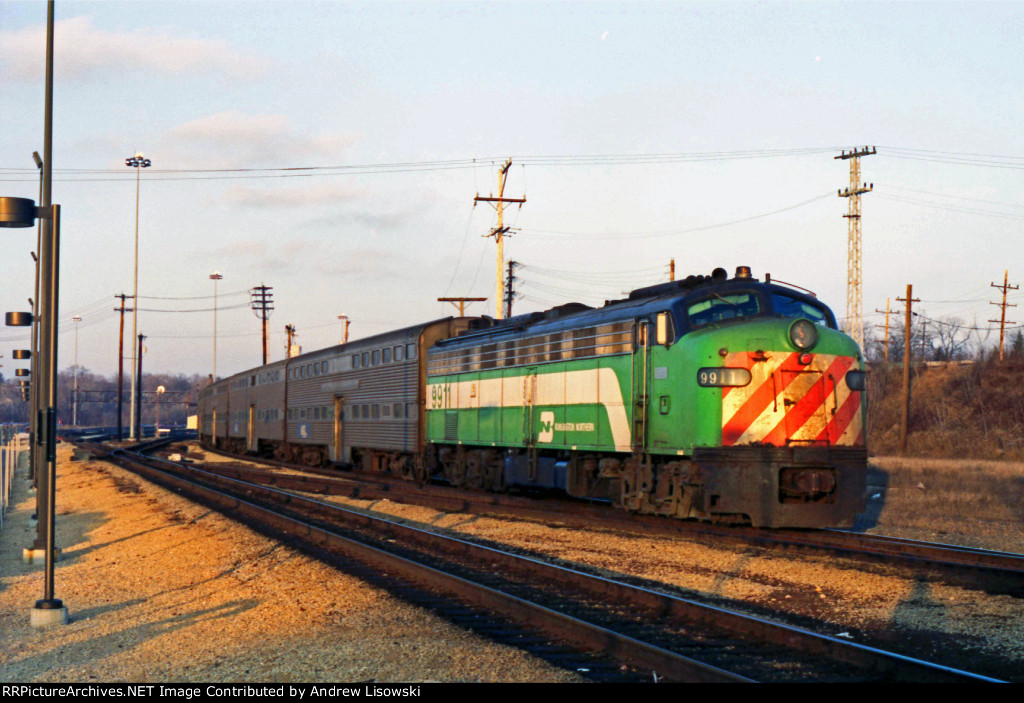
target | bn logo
[{"x": 547, "y": 427}]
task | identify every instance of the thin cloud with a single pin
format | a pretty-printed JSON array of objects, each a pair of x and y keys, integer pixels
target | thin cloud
[
  {"x": 310, "y": 257},
  {"x": 82, "y": 50},
  {"x": 291, "y": 197},
  {"x": 233, "y": 139}
]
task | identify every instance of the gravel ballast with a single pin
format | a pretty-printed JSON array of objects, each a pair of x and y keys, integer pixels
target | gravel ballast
[{"x": 160, "y": 589}]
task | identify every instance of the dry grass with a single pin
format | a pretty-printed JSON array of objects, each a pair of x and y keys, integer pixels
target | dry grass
[
  {"x": 976, "y": 503},
  {"x": 972, "y": 411}
]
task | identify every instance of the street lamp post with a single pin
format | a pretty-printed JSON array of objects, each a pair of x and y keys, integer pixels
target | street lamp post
[
  {"x": 22, "y": 212},
  {"x": 138, "y": 162},
  {"x": 34, "y": 401},
  {"x": 215, "y": 276}
]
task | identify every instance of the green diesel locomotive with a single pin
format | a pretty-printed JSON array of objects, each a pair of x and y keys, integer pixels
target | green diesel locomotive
[{"x": 722, "y": 399}]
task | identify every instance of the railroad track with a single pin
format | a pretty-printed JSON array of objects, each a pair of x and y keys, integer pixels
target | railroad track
[
  {"x": 649, "y": 634},
  {"x": 978, "y": 569}
]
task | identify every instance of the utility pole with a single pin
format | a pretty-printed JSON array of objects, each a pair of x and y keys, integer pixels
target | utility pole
[
  {"x": 500, "y": 231},
  {"x": 290, "y": 332},
  {"x": 905, "y": 416},
  {"x": 854, "y": 304},
  {"x": 1002, "y": 318},
  {"x": 510, "y": 292},
  {"x": 74, "y": 403},
  {"x": 120, "y": 368},
  {"x": 886, "y": 353},
  {"x": 262, "y": 301},
  {"x": 344, "y": 334},
  {"x": 461, "y": 303}
]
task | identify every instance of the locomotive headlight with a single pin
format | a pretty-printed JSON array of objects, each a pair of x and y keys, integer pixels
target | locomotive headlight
[
  {"x": 803, "y": 334},
  {"x": 722, "y": 376}
]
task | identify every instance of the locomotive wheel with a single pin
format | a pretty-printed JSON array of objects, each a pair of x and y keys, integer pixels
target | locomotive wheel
[
  {"x": 474, "y": 469},
  {"x": 494, "y": 472},
  {"x": 453, "y": 465}
]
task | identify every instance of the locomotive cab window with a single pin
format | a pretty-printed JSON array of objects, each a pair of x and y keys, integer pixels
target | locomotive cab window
[
  {"x": 721, "y": 308},
  {"x": 792, "y": 307}
]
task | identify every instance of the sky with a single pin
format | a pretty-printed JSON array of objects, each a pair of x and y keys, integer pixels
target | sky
[{"x": 333, "y": 151}]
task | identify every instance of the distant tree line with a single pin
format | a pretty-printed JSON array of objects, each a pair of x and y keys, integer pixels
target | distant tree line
[
  {"x": 97, "y": 399},
  {"x": 944, "y": 339}
]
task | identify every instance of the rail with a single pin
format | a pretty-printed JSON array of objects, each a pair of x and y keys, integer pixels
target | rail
[{"x": 589, "y": 592}]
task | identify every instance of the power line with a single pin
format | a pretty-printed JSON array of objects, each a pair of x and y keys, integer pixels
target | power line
[
  {"x": 550, "y": 234},
  {"x": 218, "y": 308},
  {"x": 951, "y": 157},
  {"x": 437, "y": 165}
]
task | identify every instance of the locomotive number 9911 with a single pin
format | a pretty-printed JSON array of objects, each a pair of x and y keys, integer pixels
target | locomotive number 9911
[{"x": 723, "y": 376}]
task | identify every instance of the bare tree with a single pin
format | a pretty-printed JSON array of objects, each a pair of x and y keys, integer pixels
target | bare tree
[{"x": 951, "y": 340}]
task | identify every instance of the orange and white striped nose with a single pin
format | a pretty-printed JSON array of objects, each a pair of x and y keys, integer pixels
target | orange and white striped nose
[{"x": 792, "y": 399}]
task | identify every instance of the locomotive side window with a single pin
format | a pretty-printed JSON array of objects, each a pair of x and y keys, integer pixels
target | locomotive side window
[
  {"x": 791, "y": 307},
  {"x": 399, "y": 355},
  {"x": 386, "y": 355},
  {"x": 666, "y": 331},
  {"x": 722, "y": 307}
]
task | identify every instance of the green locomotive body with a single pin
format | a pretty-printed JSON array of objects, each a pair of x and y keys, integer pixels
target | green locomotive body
[{"x": 733, "y": 400}]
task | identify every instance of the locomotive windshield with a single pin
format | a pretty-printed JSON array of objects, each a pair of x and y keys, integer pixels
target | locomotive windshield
[
  {"x": 791, "y": 307},
  {"x": 722, "y": 307}
]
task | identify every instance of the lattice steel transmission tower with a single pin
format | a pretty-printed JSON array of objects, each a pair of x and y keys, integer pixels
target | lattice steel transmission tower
[{"x": 854, "y": 294}]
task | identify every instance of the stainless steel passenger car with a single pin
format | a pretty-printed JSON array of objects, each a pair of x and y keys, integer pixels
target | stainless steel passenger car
[{"x": 357, "y": 403}]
